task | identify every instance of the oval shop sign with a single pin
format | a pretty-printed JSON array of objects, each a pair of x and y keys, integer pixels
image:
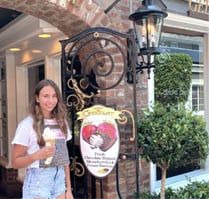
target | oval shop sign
[{"x": 99, "y": 139}]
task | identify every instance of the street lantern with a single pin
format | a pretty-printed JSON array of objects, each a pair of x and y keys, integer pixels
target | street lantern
[{"x": 147, "y": 23}]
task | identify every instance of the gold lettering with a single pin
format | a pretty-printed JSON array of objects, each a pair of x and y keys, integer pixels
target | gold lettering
[{"x": 199, "y": 6}]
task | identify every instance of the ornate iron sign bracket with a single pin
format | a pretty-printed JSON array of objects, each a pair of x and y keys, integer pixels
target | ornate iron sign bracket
[{"x": 97, "y": 60}]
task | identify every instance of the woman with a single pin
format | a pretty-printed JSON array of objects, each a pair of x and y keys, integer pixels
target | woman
[{"x": 40, "y": 145}]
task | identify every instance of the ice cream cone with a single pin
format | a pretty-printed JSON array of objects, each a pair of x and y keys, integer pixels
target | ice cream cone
[{"x": 50, "y": 141}]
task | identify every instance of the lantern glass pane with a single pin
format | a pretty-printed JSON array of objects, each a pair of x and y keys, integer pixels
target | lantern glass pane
[{"x": 148, "y": 31}]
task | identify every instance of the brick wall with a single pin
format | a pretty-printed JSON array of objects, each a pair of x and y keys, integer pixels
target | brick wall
[{"x": 8, "y": 182}]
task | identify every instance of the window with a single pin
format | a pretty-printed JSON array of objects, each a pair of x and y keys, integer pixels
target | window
[
  {"x": 197, "y": 98},
  {"x": 193, "y": 46}
]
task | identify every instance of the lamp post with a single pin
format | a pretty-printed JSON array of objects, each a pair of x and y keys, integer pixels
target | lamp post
[{"x": 147, "y": 22}]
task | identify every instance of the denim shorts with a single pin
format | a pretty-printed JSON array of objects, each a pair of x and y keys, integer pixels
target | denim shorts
[{"x": 44, "y": 183}]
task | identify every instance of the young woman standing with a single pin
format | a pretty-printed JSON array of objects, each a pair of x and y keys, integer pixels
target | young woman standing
[{"x": 40, "y": 145}]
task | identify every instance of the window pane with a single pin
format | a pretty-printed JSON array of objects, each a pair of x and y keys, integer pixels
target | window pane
[{"x": 197, "y": 98}]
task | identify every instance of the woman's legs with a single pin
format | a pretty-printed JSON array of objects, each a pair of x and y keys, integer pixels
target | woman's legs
[{"x": 42, "y": 183}]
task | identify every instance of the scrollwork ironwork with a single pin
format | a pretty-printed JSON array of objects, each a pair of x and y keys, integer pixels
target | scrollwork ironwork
[
  {"x": 105, "y": 56},
  {"x": 77, "y": 167},
  {"x": 79, "y": 96},
  {"x": 124, "y": 120},
  {"x": 95, "y": 60}
]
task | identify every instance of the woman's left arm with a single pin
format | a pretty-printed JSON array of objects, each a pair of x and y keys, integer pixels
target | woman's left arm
[{"x": 69, "y": 194}]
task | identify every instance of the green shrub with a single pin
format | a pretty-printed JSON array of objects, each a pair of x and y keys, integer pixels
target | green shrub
[
  {"x": 194, "y": 190},
  {"x": 148, "y": 195},
  {"x": 170, "y": 194},
  {"x": 172, "y": 78}
]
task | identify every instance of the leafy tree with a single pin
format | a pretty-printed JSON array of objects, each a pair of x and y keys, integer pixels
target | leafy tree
[{"x": 169, "y": 134}]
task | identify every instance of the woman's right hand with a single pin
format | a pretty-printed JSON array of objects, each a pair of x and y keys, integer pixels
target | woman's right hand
[{"x": 45, "y": 152}]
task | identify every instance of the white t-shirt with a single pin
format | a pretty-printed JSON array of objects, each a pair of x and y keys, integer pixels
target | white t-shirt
[{"x": 26, "y": 136}]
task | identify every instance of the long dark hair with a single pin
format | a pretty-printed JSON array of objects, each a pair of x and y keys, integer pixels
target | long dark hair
[{"x": 59, "y": 112}]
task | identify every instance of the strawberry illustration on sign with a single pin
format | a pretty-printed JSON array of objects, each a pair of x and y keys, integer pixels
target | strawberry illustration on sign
[
  {"x": 103, "y": 136},
  {"x": 107, "y": 128},
  {"x": 87, "y": 131},
  {"x": 99, "y": 139}
]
